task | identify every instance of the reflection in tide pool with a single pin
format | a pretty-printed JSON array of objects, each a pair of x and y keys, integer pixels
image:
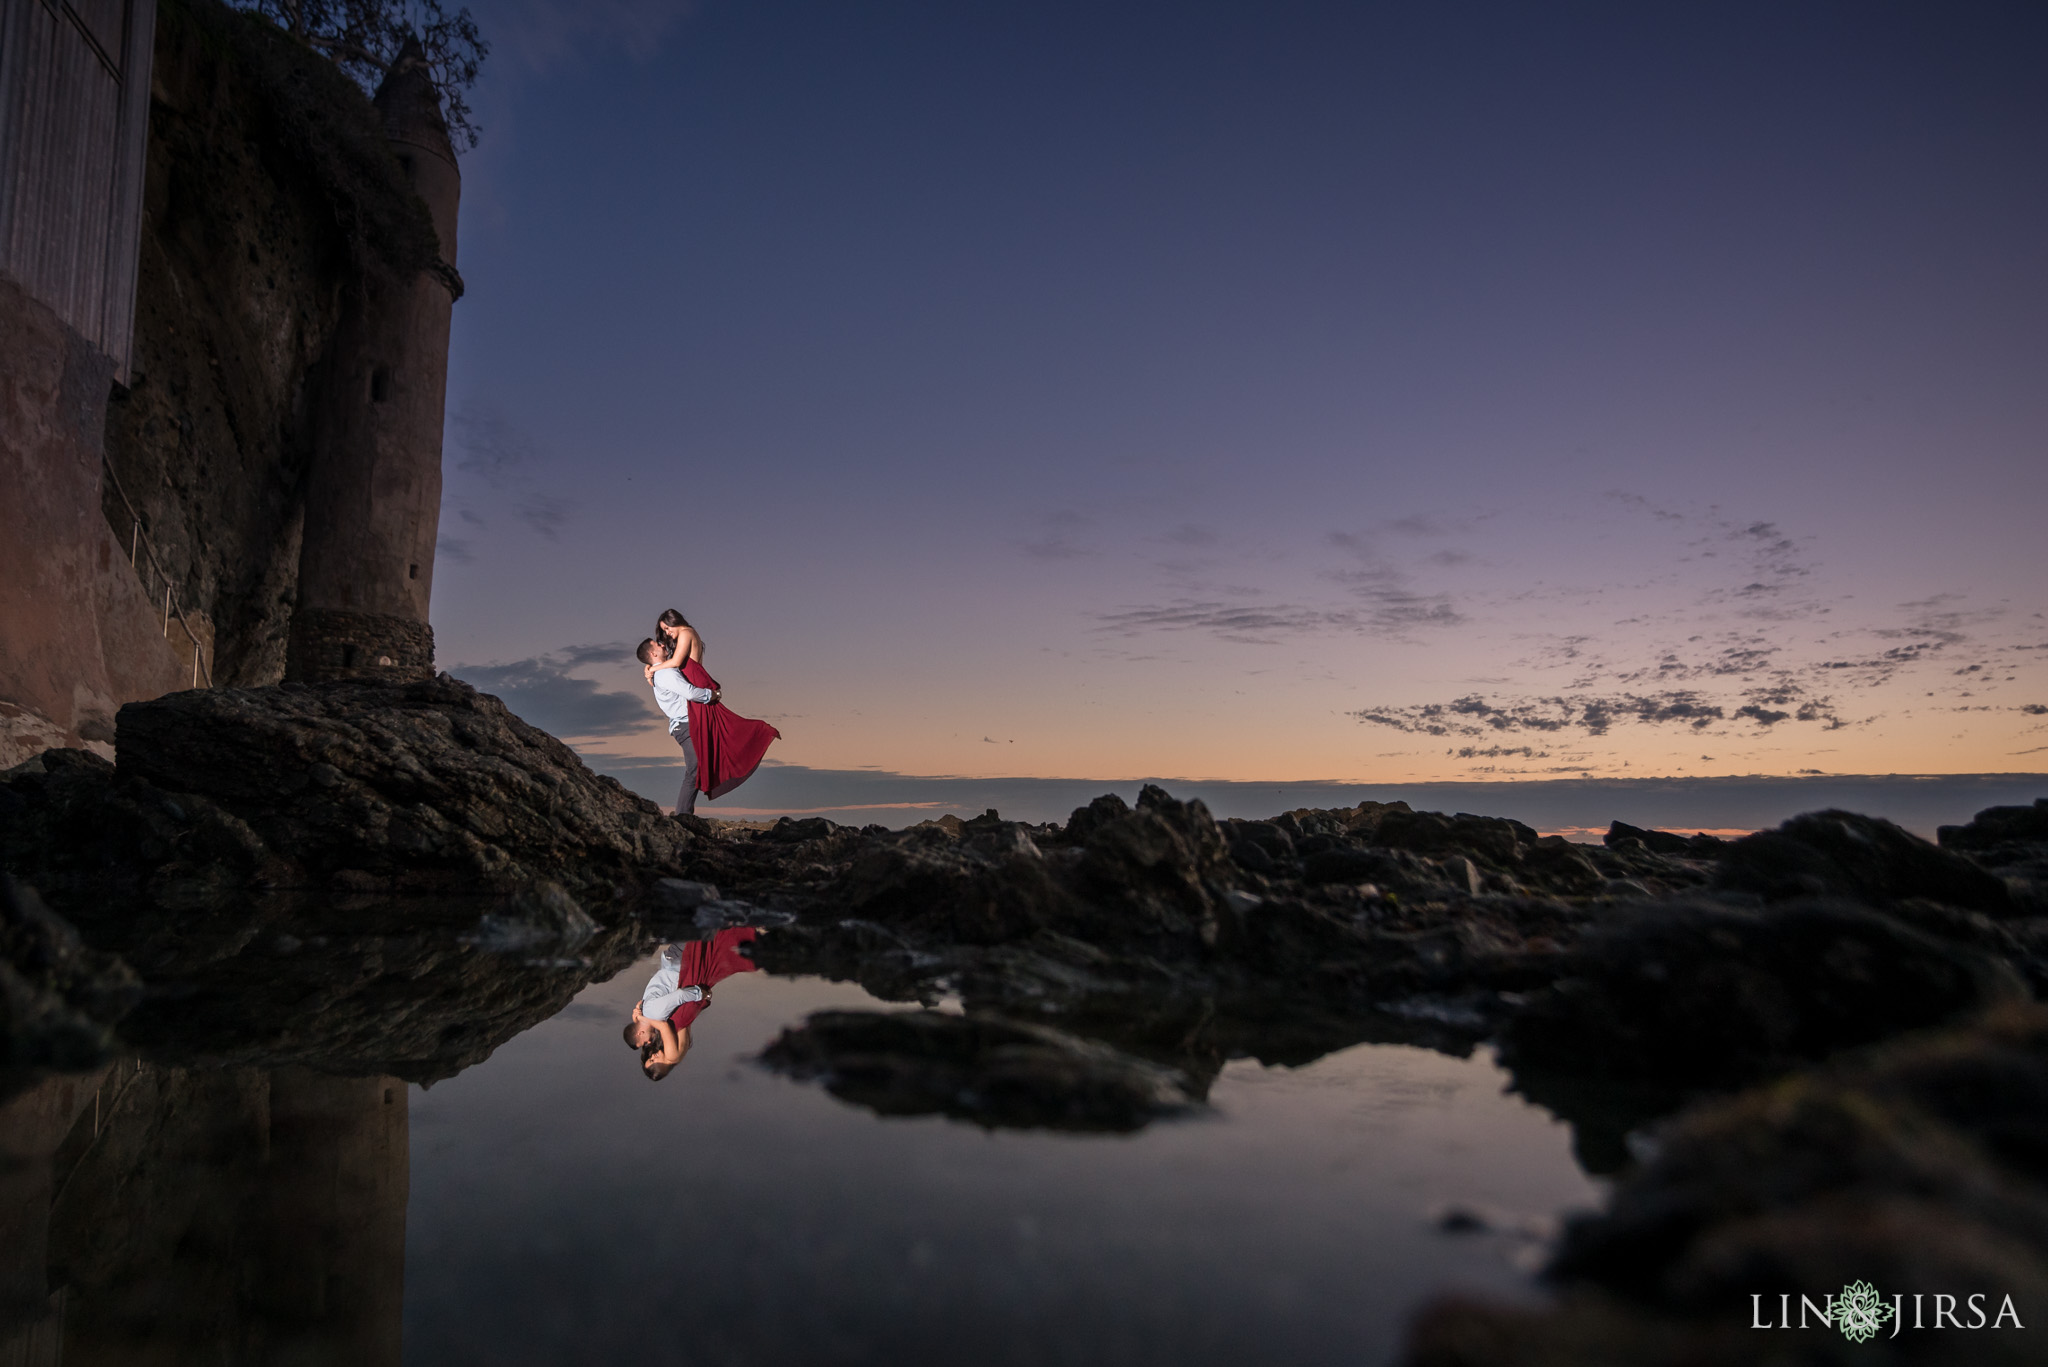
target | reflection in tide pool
[{"x": 565, "y": 1209}]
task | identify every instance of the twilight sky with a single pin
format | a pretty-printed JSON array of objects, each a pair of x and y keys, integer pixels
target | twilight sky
[{"x": 1263, "y": 391}]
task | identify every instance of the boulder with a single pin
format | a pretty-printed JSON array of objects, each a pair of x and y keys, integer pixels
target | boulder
[
  {"x": 1871, "y": 860},
  {"x": 424, "y": 786},
  {"x": 1702, "y": 993}
]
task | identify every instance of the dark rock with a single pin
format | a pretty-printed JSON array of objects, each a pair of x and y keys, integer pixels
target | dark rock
[
  {"x": 1496, "y": 839},
  {"x": 535, "y": 916},
  {"x": 1554, "y": 864},
  {"x": 1665, "y": 842},
  {"x": 417, "y": 786},
  {"x": 1248, "y": 854},
  {"x": 59, "y": 999},
  {"x": 1152, "y": 867},
  {"x": 1841, "y": 854},
  {"x": 791, "y": 830},
  {"x": 1997, "y": 826},
  {"x": 1918, "y": 1167},
  {"x": 1707, "y": 994},
  {"x": 991, "y": 1071},
  {"x": 1266, "y": 836},
  {"x": 678, "y": 896},
  {"x": 1345, "y": 864}
]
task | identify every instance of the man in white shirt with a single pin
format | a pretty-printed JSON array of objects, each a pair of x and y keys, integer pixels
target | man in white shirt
[{"x": 674, "y": 695}]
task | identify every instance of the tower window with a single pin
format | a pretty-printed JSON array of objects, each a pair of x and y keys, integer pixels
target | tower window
[
  {"x": 413, "y": 572},
  {"x": 380, "y": 384},
  {"x": 405, "y": 163},
  {"x": 348, "y": 657}
]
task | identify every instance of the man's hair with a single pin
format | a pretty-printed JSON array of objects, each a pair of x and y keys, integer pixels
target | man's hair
[
  {"x": 645, "y": 653},
  {"x": 632, "y": 1029}
]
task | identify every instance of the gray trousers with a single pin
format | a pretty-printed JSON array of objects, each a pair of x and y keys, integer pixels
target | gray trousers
[{"x": 686, "y": 801}]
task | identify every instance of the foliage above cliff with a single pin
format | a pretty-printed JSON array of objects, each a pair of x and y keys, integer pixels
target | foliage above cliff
[
  {"x": 367, "y": 39},
  {"x": 322, "y": 118}
]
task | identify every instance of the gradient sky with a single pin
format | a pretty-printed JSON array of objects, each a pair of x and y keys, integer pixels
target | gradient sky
[{"x": 1263, "y": 391}]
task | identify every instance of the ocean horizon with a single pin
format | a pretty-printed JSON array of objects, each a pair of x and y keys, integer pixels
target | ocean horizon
[{"x": 1578, "y": 808}]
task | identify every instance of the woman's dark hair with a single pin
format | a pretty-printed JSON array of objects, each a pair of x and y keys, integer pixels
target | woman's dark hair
[{"x": 671, "y": 618}]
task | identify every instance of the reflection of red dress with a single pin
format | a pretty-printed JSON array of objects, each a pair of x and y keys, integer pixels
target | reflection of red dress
[
  {"x": 729, "y": 746},
  {"x": 706, "y": 962}
]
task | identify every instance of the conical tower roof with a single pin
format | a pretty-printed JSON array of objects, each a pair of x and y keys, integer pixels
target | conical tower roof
[{"x": 409, "y": 104}]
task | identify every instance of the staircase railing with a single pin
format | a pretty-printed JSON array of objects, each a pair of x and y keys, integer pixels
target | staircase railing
[{"x": 139, "y": 544}]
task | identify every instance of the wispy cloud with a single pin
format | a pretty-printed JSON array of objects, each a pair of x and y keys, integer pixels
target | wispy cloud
[
  {"x": 504, "y": 456},
  {"x": 544, "y": 691},
  {"x": 1063, "y": 537},
  {"x": 1243, "y": 623},
  {"x": 1596, "y": 715}
]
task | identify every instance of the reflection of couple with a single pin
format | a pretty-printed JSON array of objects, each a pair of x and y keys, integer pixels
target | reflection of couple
[
  {"x": 679, "y": 990},
  {"x": 720, "y": 747}
]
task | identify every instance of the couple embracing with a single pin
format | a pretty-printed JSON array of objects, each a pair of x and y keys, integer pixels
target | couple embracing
[{"x": 721, "y": 749}]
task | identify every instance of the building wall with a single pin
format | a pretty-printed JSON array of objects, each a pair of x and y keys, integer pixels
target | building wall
[
  {"x": 77, "y": 635},
  {"x": 74, "y": 111}
]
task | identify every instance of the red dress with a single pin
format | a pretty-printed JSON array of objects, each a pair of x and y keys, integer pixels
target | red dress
[
  {"x": 706, "y": 962},
  {"x": 729, "y": 746}
]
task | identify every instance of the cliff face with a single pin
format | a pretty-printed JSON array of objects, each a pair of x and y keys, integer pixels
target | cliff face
[{"x": 270, "y": 197}]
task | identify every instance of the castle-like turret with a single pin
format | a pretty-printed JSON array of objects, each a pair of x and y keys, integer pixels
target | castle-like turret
[{"x": 373, "y": 496}]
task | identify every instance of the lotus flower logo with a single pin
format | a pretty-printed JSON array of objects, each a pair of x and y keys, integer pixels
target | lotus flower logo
[{"x": 1860, "y": 1312}]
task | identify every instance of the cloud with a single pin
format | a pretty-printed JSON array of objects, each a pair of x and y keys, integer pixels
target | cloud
[
  {"x": 498, "y": 452},
  {"x": 542, "y": 691},
  {"x": 1250, "y": 625},
  {"x": 546, "y": 513},
  {"x": 502, "y": 454},
  {"x": 1595, "y": 715},
  {"x": 453, "y": 548},
  {"x": 1059, "y": 541},
  {"x": 1054, "y": 548}
]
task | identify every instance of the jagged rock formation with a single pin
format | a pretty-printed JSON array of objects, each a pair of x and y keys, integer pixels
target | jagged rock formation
[{"x": 352, "y": 786}]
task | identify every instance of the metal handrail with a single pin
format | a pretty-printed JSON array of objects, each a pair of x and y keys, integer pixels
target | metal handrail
[{"x": 138, "y": 538}]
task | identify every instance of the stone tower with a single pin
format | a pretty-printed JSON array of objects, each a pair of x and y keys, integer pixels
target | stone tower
[{"x": 373, "y": 496}]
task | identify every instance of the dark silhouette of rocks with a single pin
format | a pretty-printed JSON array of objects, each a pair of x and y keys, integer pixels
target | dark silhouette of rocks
[
  {"x": 1663, "y": 842},
  {"x": 1866, "y": 858},
  {"x": 59, "y": 998},
  {"x": 356, "y": 786},
  {"x": 979, "y": 1068},
  {"x": 1920, "y": 1167},
  {"x": 1705, "y": 993}
]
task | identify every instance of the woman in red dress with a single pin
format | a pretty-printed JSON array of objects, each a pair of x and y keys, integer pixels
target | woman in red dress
[
  {"x": 703, "y": 964},
  {"x": 729, "y": 747}
]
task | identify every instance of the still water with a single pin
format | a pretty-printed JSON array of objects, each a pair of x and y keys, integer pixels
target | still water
[{"x": 563, "y": 1209}]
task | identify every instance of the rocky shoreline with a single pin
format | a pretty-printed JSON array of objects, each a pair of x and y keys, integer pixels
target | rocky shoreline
[{"x": 1815, "y": 1050}]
